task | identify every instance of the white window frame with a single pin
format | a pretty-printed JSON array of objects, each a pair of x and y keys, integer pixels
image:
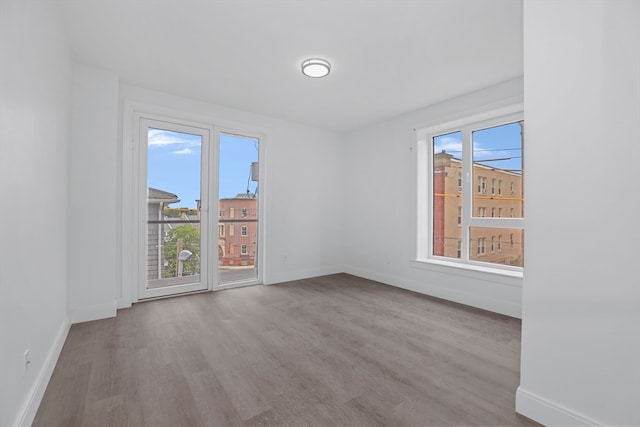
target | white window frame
[
  {"x": 244, "y": 230},
  {"x": 424, "y": 201}
]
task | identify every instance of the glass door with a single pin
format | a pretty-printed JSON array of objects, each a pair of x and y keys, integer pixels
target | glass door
[
  {"x": 173, "y": 206},
  {"x": 238, "y": 210}
]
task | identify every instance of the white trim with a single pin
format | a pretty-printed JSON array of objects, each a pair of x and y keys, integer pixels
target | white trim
[
  {"x": 424, "y": 167},
  {"x": 94, "y": 312},
  {"x": 445, "y": 266},
  {"x": 143, "y": 121},
  {"x": 549, "y": 413},
  {"x": 238, "y": 284},
  {"x": 290, "y": 276},
  {"x": 34, "y": 397},
  {"x": 454, "y": 125},
  {"x": 263, "y": 137}
]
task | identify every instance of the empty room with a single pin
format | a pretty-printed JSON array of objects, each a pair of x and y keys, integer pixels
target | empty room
[{"x": 323, "y": 213}]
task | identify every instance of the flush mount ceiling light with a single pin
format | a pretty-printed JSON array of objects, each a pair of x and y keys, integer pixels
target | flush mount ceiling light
[{"x": 316, "y": 67}]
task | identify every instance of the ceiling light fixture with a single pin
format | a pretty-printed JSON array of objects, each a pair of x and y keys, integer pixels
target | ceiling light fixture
[{"x": 316, "y": 67}]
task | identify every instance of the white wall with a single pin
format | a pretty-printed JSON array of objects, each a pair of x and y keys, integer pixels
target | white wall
[
  {"x": 581, "y": 305},
  {"x": 303, "y": 188},
  {"x": 34, "y": 146},
  {"x": 93, "y": 275},
  {"x": 380, "y": 206}
]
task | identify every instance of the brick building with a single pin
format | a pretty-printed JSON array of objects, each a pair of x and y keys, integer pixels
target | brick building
[
  {"x": 237, "y": 230},
  {"x": 496, "y": 193}
]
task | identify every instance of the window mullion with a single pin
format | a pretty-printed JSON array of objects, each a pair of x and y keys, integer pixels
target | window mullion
[{"x": 467, "y": 190}]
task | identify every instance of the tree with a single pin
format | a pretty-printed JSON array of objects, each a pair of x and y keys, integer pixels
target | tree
[{"x": 189, "y": 236}]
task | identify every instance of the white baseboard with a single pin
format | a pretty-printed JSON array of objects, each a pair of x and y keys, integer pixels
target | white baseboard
[
  {"x": 34, "y": 397},
  {"x": 94, "y": 312},
  {"x": 549, "y": 413},
  {"x": 290, "y": 276}
]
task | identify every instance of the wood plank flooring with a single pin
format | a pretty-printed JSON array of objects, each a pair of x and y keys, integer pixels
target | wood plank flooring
[{"x": 330, "y": 351}]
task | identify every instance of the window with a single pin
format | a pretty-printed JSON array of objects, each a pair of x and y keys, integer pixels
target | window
[
  {"x": 244, "y": 212},
  {"x": 220, "y": 230},
  {"x": 482, "y": 185},
  {"x": 232, "y": 212},
  {"x": 481, "y": 245},
  {"x": 244, "y": 230},
  {"x": 452, "y": 212},
  {"x": 232, "y": 230},
  {"x": 221, "y": 214},
  {"x": 243, "y": 249}
]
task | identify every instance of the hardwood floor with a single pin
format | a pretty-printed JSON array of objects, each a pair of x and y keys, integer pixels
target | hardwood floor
[{"x": 330, "y": 351}]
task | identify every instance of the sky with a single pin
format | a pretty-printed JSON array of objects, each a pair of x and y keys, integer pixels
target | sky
[
  {"x": 174, "y": 164},
  {"x": 498, "y": 147}
]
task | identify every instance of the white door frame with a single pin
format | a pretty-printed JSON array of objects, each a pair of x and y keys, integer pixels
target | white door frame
[
  {"x": 144, "y": 121},
  {"x": 259, "y": 259}
]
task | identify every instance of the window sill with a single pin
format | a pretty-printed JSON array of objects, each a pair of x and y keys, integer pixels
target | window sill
[{"x": 473, "y": 271}]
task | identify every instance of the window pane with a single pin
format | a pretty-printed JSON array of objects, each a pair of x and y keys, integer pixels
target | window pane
[
  {"x": 497, "y": 245},
  {"x": 497, "y": 159},
  {"x": 447, "y": 200}
]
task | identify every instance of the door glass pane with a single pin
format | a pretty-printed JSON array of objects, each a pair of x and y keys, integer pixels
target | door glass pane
[
  {"x": 173, "y": 207},
  {"x": 238, "y": 209},
  {"x": 447, "y": 192},
  {"x": 497, "y": 171}
]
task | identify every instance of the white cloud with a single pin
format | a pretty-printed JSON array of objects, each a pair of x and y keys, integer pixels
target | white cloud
[
  {"x": 185, "y": 150},
  {"x": 449, "y": 144},
  {"x": 162, "y": 138}
]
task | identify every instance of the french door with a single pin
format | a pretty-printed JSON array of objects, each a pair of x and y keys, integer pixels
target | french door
[{"x": 174, "y": 195}]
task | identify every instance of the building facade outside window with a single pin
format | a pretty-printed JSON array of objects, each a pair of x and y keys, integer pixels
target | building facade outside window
[{"x": 240, "y": 221}]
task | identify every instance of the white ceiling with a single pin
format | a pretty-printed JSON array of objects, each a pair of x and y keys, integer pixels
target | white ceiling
[{"x": 389, "y": 56}]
